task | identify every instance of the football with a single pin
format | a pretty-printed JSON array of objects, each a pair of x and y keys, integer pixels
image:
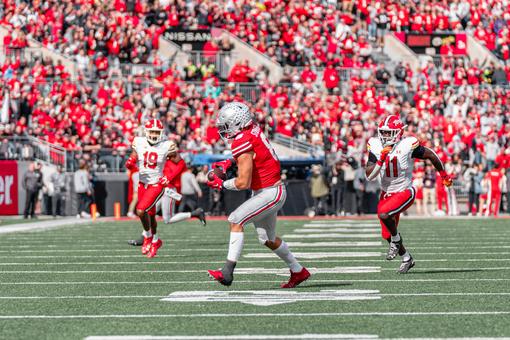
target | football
[{"x": 222, "y": 175}]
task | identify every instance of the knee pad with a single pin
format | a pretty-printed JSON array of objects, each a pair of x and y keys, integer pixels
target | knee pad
[{"x": 262, "y": 235}]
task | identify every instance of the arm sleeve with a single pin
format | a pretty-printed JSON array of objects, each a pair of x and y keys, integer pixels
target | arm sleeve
[
  {"x": 372, "y": 158},
  {"x": 418, "y": 152}
]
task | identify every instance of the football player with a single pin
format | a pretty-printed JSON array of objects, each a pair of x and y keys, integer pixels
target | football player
[
  {"x": 390, "y": 157},
  {"x": 150, "y": 154},
  {"x": 258, "y": 170},
  {"x": 171, "y": 180}
]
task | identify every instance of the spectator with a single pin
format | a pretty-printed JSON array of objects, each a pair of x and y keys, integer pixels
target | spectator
[
  {"x": 473, "y": 178},
  {"x": 319, "y": 190},
  {"x": 382, "y": 74},
  {"x": 134, "y": 178},
  {"x": 190, "y": 191},
  {"x": 32, "y": 183},
  {"x": 59, "y": 181},
  {"x": 337, "y": 185},
  {"x": 429, "y": 195},
  {"x": 83, "y": 190}
]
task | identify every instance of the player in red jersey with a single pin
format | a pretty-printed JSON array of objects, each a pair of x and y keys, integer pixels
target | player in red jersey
[
  {"x": 150, "y": 154},
  {"x": 258, "y": 170},
  {"x": 172, "y": 172},
  {"x": 496, "y": 180}
]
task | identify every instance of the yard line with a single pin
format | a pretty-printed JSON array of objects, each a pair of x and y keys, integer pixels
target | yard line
[
  {"x": 337, "y": 230},
  {"x": 334, "y": 225},
  {"x": 233, "y": 337},
  {"x": 251, "y": 315},
  {"x": 335, "y": 244},
  {"x": 315, "y": 255},
  {"x": 110, "y": 297},
  {"x": 332, "y": 235},
  {"x": 421, "y": 269},
  {"x": 65, "y": 283}
]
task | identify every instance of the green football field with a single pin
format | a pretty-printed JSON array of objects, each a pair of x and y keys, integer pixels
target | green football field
[{"x": 85, "y": 281}]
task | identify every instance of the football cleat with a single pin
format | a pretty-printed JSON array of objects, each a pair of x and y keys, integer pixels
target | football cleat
[
  {"x": 154, "y": 248},
  {"x": 200, "y": 214},
  {"x": 217, "y": 275},
  {"x": 393, "y": 250},
  {"x": 296, "y": 278},
  {"x": 405, "y": 266},
  {"x": 146, "y": 245}
]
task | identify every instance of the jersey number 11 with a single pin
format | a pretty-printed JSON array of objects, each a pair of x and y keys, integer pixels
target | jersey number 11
[{"x": 391, "y": 171}]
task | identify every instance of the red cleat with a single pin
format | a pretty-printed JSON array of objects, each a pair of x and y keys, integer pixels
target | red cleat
[
  {"x": 146, "y": 245},
  {"x": 296, "y": 278},
  {"x": 154, "y": 248},
  {"x": 217, "y": 275}
]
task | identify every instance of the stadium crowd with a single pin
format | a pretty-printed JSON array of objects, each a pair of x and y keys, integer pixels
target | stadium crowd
[{"x": 458, "y": 107}]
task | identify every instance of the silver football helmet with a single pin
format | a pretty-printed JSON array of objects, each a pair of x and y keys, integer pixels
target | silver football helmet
[{"x": 232, "y": 118}]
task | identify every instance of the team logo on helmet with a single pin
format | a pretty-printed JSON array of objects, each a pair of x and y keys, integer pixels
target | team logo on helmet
[
  {"x": 153, "y": 131},
  {"x": 390, "y": 130}
]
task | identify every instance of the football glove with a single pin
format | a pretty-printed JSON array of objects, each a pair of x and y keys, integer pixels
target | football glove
[
  {"x": 163, "y": 180},
  {"x": 384, "y": 153},
  {"x": 216, "y": 183},
  {"x": 224, "y": 165},
  {"x": 447, "y": 179},
  {"x": 131, "y": 163}
]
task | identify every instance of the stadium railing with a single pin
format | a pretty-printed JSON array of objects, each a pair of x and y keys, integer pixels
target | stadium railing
[{"x": 30, "y": 148}]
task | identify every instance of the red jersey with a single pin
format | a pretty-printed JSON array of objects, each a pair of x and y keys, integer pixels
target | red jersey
[
  {"x": 266, "y": 166},
  {"x": 173, "y": 172},
  {"x": 494, "y": 177}
]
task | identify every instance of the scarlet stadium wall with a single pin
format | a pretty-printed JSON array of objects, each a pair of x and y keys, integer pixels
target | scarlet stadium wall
[{"x": 110, "y": 188}]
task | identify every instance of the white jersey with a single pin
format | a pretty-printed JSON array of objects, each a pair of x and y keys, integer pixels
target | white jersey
[
  {"x": 397, "y": 171},
  {"x": 151, "y": 158}
]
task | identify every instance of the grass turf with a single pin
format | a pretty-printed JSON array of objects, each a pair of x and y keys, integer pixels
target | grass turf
[{"x": 462, "y": 266}]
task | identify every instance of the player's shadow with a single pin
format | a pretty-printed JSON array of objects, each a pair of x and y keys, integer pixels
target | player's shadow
[
  {"x": 442, "y": 271},
  {"x": 326, "y": 285}
]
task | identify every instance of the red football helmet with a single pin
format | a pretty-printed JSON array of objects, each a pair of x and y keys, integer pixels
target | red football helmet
[
  {"x": 390, "y": 130},
  {"x": 153, "y": 131}
]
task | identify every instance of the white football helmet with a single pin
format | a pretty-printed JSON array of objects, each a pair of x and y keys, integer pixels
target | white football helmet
[{"x": 232, "y": 119}]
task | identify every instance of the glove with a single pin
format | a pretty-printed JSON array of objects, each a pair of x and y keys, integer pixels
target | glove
[
  {"x": 224, "y": 165},
  {"x": 131, "y": 163},
  {"x": 447, "y": 180},
  {"x": 216, "y": 183},
  {"x": 163, "y": 180},
  {"x": 384, "y": 153}
]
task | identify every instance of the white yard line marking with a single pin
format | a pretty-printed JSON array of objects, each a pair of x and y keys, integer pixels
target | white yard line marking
[
  {"x": 65, "y": 283},
  {"x": 43, "y": 225},
  {"x": 315, "y": 255},
  {"x": 332, "y": 235},
  {"x": 251, "y": 315},
  {"x": 233, "y": 337},
  {"x": 334, "y": 225},
  {"x": 271, "y": 297},
  {"x": 334, "y": 270},
  {"x": 421, "y": 269},
  {"x": 335, "y": 244},
  {"x": 254, "y": 296},
  {"x": 337, "y": 230}
]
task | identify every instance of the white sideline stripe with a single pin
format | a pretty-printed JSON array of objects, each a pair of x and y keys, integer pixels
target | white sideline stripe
[
  {"x": 233, "y": 337},
  {"x": 332, "y": 225},
  {"x": 107, "y": 297},
  {"x": 421, "y": 269},
  {"x": 250, "y": 315},
  {"x": 31, "y": 283},
  {"x": 335, "y": 244},
  {"x": 337, "y": 230},
  {"x": 43, "y": 225},
  {"x": 290, "y": 236},
  {"x": 314, "y": 255}
]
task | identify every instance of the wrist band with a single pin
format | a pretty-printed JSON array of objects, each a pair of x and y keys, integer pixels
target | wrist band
[{"x": 230, "y": 184}]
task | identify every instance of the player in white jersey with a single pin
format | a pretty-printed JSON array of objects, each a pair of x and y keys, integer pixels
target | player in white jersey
[
  {"x": 391, "y": 158},
  {"x": 150, "y": 154}
]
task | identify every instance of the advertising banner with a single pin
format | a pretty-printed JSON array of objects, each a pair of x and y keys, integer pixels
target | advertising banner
[{"x": 8, "y": 188}]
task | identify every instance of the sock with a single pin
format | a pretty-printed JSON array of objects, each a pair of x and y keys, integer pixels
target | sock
[
  {"x": 406, "y": 257},
  {"x": 285, "y": 254},
  {"x": 235, "y": 246},
  {"x": 179, "y": 217},
  {"x": 155, "y": 238},
  {"x": 395, "y": 238},
  {"x": 146, "y": 233}
]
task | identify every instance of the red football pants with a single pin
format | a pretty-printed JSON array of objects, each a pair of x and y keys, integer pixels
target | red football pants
[
  {"x": 393, "y": 204},
  {"x": 494, "y": 203},
  {"x": 148, "y": 196}
]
